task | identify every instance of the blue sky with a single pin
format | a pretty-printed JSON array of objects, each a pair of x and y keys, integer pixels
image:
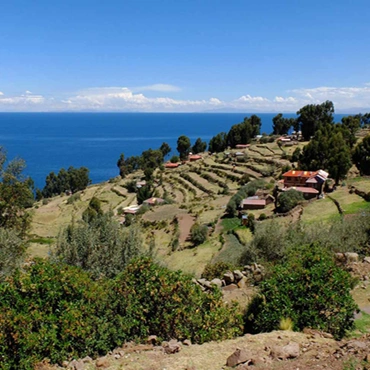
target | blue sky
[{"x": 154, "y": 55}]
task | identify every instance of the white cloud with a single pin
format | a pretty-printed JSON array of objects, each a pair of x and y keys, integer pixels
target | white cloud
[
  {"x": 28, "y": 92},
  {"x": 157, "y": 87},
  {"x": 1, "y": 93},
  {"x": 123, "y": 99}
]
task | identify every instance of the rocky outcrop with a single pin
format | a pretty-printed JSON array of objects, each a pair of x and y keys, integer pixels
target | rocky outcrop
[{"x": 236, "y": 279}]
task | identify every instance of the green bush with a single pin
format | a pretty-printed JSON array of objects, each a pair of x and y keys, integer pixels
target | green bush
[
  {"x": 310, "y": 290},
  {"x": 198, "y": 234},
  {"x": 59, "y": 312},
  {"x": 289, "y": 199},
  {"x": 216, "y": 270},
  {"x": 74, "y": 198}
]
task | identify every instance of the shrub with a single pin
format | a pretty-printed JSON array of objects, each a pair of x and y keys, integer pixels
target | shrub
[
  {"x": 175, "y": 159},
  {"x": 310, "y": 290},
  {"x": 216, "y": 270},
  {"x": 262, "y": 217},
  {"x": 289, "y": 199},
  {"x": 58, "y": 312},
  {"x": 74, "y": 198},
  {"x": 198, "y": 234}
]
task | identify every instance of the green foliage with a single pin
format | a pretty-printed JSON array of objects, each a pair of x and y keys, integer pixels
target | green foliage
[
  {"x": 361, "y": 156},
  {"x": 312, "y": 116},
  {"x": 287, "y": 200},
  {"x": 74, "y": 179},
  {"x": 175, "y": 159},
  {"x": 131, "y": 186},
  {"x": 218, "y": 143},
  {"x": 56, "y": 311},
  {"x": 281, "y": 125},
  {"x": 165, "y": 149},
  {"x": 310, "y": 290},
  {"x": 93, "y": 211},
  {"x": 199, "y": 146},
  {"x": 245, "y": 191},
  {"x": 74, "y": 198},
  {"x": 12, "y": 252},
  {"x": 327, "y": 150},
  {"x": 216, "y": 270},
  {"x": 244, "y": 132},
  {"x": 100, "y": 246},
  {"x": 144, "y": 193},
  {"x": 16, "y": 195},
  {"x": 198, "y": 234},
  {"x": 183, "y": 146},
  {"x": 296, "y": 155}
]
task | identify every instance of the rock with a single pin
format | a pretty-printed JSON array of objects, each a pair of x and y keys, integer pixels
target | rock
[
  {"x": 172, "y": 346},
  {"x": 229, "y": 277},
  {"x": 152, "y": 339},
  {"x": 257, "y": 277},
  {"x": 291, "y": 350},
  {"x": 76, "y": 365},
  {"x": 223, "y": 282},
  {"x": 217, "y": 282},
  {"x": 367, "y": 259},
  {"x": 340, "y": 257},
  {"x": 187, "y": 342},
  {"x": 87, "y": 359},
  {"x": 237, "y": 275},
  {"x": 230, "y": 288},
  {"x": 207, "y": 284},
  {"x": 102, "y": 362},
  {"x": 367, "y": 358},
  {"x": 351, "y": 257},
  {"x": 243, "y": 282},
  {"x": 247, "y": 268},
  {"x": 65, "y": 363},
  {"x": 238, "y": 357},
  {"x": 201, "y": 281}
]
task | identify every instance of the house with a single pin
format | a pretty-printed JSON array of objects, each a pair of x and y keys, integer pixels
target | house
[
  {"x": 140, "y": 184},
  {"x": 284, "y": 139},
  {"x": 153, "y": 201},
  {"x": 171, "y": 165},
  {"x": 242, "y": 146},
  {"x": 131, "y": 209},
  {"x": 252, "y": 203},
  {"x": 312, "y": 179},
  {"x": 194, "y": 157},
  {"x": 239, "y": 154}
]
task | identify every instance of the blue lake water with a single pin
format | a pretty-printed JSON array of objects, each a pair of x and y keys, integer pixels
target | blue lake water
[{"x": 50, "y": 141}]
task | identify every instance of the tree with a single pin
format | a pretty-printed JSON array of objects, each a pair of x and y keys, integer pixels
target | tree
[
  {"x": 310, "y": 290},
  {"x": 74, "y": 179},
  {"x": 289, "y": 199},
  {"x": 351, "y": 124},
  {"x": 165, "y": 149},
  {"x": 199, "y": 146},
  {"x": 175, "y": 159},
  {"x": 218, "y": 143},
  {"x": 361, "y": 156},
  {"x": 100, "y": 246},
  {"x": 12, "y": 252},
  {"x": 281, "y": 125},
  {"x": 121, "y": 165},
  {"x": 93, "y": 211},
  {"x": 183, "y": 146},
  {"x": 312, "y": 116},
  {"x": 198, "y": 234},
  {"x": 144, "y": 193},
  {"x": 16, "y": 195}
]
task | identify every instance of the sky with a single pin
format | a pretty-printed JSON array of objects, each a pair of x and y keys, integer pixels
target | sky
[{"x": 184, "y": 55}]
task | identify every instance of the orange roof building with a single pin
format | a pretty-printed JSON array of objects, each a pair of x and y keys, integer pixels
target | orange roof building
[
  {"x": 171, "y": 165},
  {"x": 311, "y": 179},
  {"x": 194, "y": 157}
]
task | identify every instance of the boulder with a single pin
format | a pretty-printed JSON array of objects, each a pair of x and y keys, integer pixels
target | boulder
[
  {"x": 243, "y": 283},
  {"x": 351, "y": 257},
  {"x": 102, "y": 363},
  {"x": 367, "y": 259},
  {"x": 187, "y": 342},
  {"x": 152, "y": 339},
  {"x": 240, "y": 356},
  {"x": 217, "y": 282},
  {"x": 237, "y": 275},
  {"x": 291, "y": 350},
  {"x": 229, "y": 277},
  {"x": 76, "y": 365},
  {"x": 172, "y": 346}
]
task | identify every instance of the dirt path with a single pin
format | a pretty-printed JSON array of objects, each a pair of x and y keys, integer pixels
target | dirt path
[{"x": 186, "y": 221}]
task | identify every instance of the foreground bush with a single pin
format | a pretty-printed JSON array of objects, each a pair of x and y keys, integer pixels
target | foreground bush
[
  {"x": 58, "y": 312},
  {"x": 308, "y": 289}
]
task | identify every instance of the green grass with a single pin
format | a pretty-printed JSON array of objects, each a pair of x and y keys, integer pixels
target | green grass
[
  {"x": 362, "y": 325},
  {"x": 230, "y": 223},
  {"x": 231, "y": 251}
]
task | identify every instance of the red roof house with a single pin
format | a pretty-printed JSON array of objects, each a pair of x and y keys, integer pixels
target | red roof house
[
  {"x": 171, "y": 165},
  {"x": 194, "y": 157}
]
